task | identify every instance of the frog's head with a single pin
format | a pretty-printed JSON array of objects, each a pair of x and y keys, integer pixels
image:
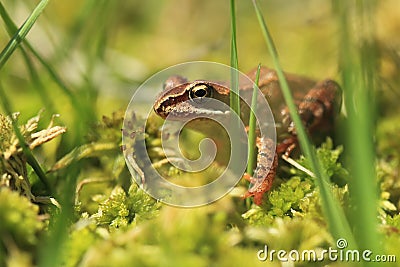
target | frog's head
[{"x": 181, "y": 99}]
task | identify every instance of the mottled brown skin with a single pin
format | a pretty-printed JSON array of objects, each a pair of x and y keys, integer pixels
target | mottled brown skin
[{"x": 317, "y": 105}]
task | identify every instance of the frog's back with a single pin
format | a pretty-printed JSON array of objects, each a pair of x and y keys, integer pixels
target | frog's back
[{"x": 270, "y": 87}]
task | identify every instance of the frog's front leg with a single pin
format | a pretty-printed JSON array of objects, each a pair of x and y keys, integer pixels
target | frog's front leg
[
  {"x": 286, "y": 147},
  {"x": 264, "y": 174}
]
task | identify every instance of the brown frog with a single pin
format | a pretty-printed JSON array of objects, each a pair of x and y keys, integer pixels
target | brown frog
[{"x": 317, "y": 104}]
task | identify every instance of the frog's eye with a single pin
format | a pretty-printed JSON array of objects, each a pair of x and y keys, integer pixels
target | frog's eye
[{"x": 200, "y": 91}]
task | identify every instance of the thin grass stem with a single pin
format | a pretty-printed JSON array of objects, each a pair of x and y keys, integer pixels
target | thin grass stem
[
  {"x": 251, "y": 162},
  {"x": 21, "y": 33},
  {"x": 234, "y": 95}
]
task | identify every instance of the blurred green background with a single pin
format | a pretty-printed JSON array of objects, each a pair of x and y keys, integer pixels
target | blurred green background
[{"x": 102, "y": 50}]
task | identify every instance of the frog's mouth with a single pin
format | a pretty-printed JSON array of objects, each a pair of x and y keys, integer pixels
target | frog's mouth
[{"x": 196, "y": 109}]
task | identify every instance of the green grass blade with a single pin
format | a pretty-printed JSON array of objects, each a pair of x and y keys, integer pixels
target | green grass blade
[
  {"x": 251, "y": 163},
  {"x": 21, "y": 33},
  {"x": 234, "y": 96},
  {"x": 4, "y": 56},
  {"x": 81, "y": 112},
  {"x": 51, "y": 252},
  {"x": 37, "y": 83},
  {"x": 11, "y": 27},
  {"x": 332, "y": 210},
  {"x": 359, "y": 81}
]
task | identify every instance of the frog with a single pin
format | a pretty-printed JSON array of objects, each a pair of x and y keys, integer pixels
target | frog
[{"x": 318, "y": 104}]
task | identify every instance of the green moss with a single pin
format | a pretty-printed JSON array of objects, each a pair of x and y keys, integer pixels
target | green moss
[
  {"x": 19, "y": 218},
  {"x": 288, "y": 196},
  {"x": 329, "y": 158},
  {"x": 298, "y": 195},
  {"x": 178, "y": 237},
  {"x": 122, "y": 209},
  {"x": 394, "y": 221},
  {"x": 19, "y": 223},
  {"x": 387, "y": 135},
  {"x": 79, "y": 242},
  {"x": 388, "y": 175},
  {"x": 117, "y": 214}
]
